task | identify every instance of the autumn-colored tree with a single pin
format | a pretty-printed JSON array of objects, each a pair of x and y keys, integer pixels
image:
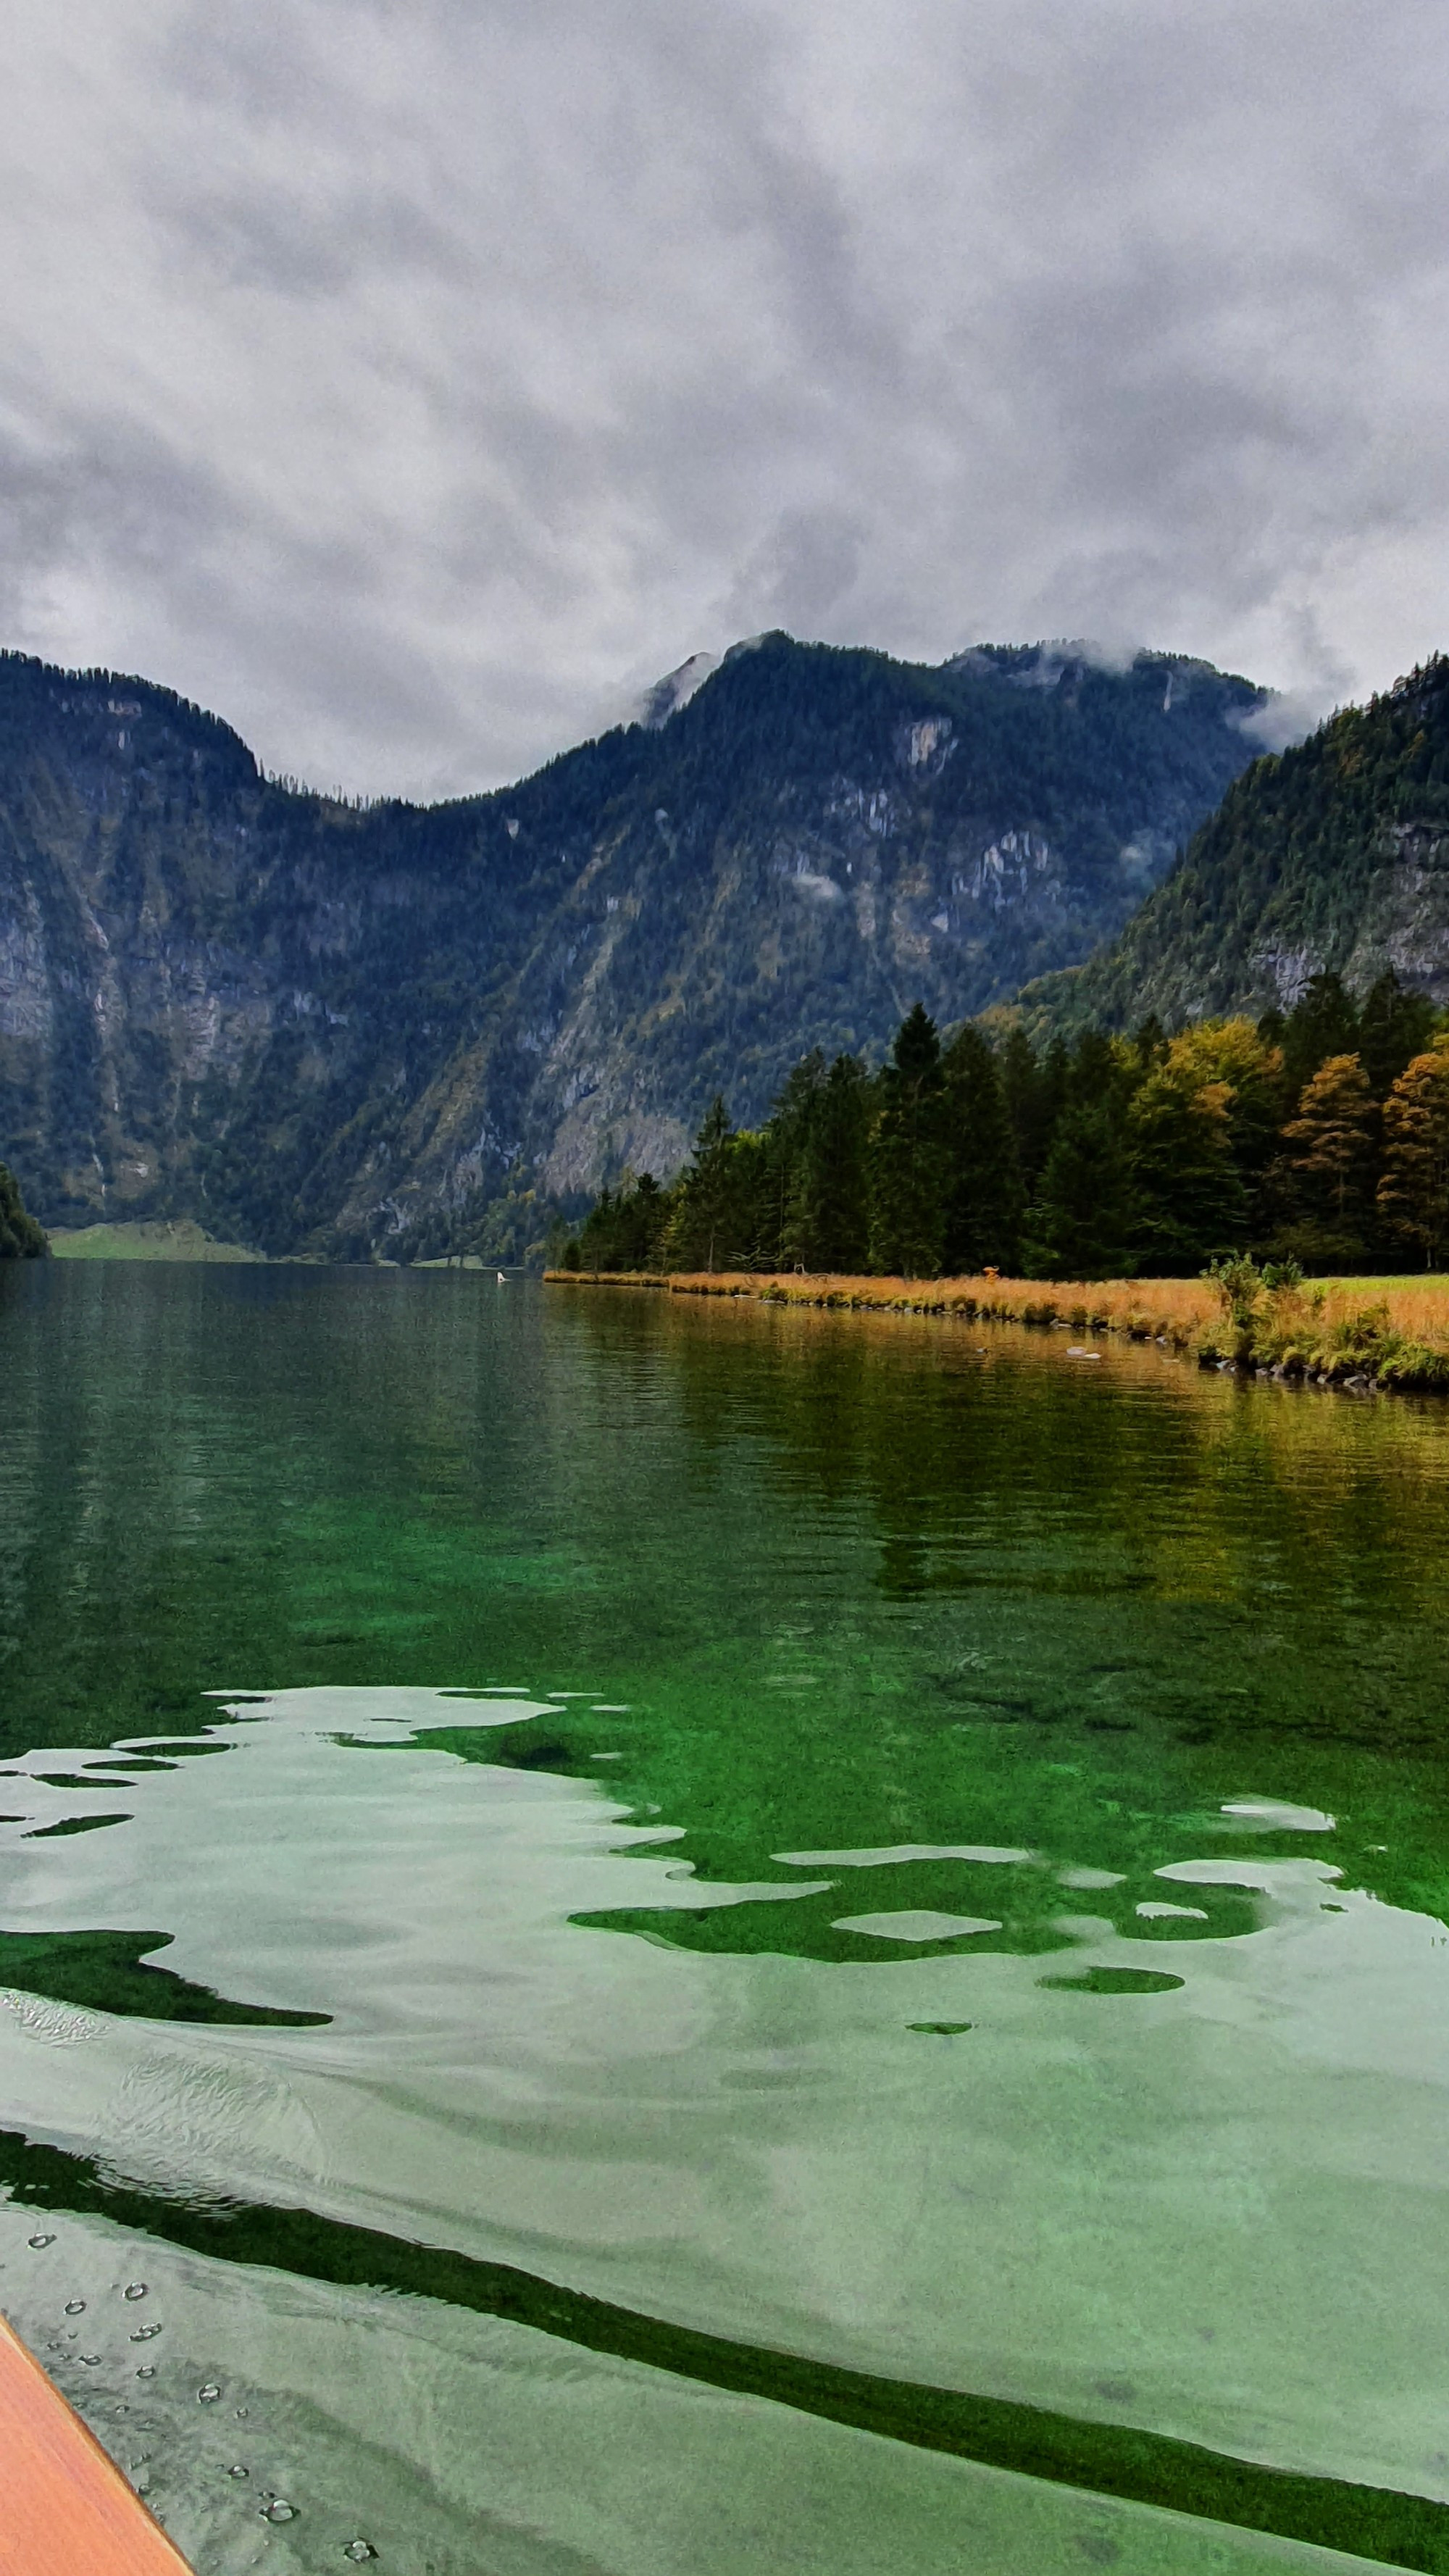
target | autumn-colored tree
[
  {"x": 1413, "y": 1194},
  {"x": 1191, "y": 1205},
  {"x": 1205, "y": 1124},
  {"x": 1333, "y": 1139}
]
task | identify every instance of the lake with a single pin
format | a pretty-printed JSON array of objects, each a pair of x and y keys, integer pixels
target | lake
[{"x": 651, "y": 1936}]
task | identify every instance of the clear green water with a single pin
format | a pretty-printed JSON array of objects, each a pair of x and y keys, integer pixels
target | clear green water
[{"x": 677, "y": 1938}]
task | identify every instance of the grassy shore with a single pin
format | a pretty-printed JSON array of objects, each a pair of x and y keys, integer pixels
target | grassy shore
[
  {"x": 156, "y": 1239},
  {"x": 1360, "y": 1333}
]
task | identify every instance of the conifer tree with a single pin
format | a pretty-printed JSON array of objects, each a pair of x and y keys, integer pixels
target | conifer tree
[
  {"x": 909, "y": 1154},
  {"x": 828, "y": 1222},
  {"x": 984, "y": 1196},
  {"x": 1082, "y": 1222},
  {"x": 1413, "y": 1194},
  {"x": 1034, "y": 1093},
  {"x": 706, "y": 1213},
  {"x": 1394, "y": 1027},
  {"x": 785, "y": 1138},
  {"x": 1322, "y": 1023}
]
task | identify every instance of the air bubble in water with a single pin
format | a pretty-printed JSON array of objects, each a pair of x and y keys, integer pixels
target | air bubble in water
[
  {"x": 38, "y": 2243},
  {"x": 359, "y": 2551},
  {"x": 278, "y": 2510},
  {"x": 147, "y": 2370},
  {"x": 75, "y": 2307},
  {"x": 208, "y": 2393},
  {"x": 143, "y": 2334},
  {"x": 134, "y": 2290}
]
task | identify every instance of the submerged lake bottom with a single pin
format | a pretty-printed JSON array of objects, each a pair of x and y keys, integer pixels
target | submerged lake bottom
[{"x": 648, "y": 1938}]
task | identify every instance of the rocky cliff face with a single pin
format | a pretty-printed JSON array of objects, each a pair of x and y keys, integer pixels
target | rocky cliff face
[
  {"x": 1333, "y": 856},
  {"x": 321, "y": 1027}
]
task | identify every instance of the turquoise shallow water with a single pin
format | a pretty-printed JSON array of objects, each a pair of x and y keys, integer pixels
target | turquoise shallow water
[{"x": 679, "y": 1937}]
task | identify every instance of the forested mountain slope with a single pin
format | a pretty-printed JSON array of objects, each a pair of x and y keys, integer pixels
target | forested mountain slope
[
  {"x": 1330, "y": 858},
  {"x": 312, "y": 1026}
]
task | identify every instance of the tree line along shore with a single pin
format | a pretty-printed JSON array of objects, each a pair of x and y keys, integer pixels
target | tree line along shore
[
  {"x": 1208, "y": 1188},
  {"x": 1317, "y": 1139}
]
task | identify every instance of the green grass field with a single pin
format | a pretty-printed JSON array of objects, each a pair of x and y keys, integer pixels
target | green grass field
[{"x": 156, "y": 1240}]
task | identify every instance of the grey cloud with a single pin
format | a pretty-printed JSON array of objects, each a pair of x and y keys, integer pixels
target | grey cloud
[{"x": 413, "y": 380}]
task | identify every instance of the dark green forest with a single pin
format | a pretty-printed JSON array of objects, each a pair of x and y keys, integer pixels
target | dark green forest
[
  {"x": 21, "y": 1239},
  {"x": 1317, "y": 1140}
]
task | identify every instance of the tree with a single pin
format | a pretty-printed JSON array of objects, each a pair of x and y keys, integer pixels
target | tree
[
  {"x": 1191, "y": 1204},
  {"x": 909, "y": 1154},
  {"x": 1082, "y": 1222},
  {"x": 1413, "y": 1195},
  {"x": 1322, "y": 1023},
  {"x": 624, "y": 1229},
  {"x": 717, "y": 1218},
  {"x": 827, "y": 1224},
  {"x": 1234, "y": 1053},
  {"x": 21, "y": 1239},
  {"x": 1335, "y": 1138},
  {"x": 1394, "y": 1027},
  {"x": 984, "y": 1197},
  {"x": 1034, "y": 1093}
]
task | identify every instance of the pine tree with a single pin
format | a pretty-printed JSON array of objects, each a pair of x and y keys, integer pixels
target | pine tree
[
  {"x": 1394, "y": 1027},
  {"x": 1035, "y": 1093},
  {"x": 828, "y": 1221},
  {"x": 909, "y": 1155},
  {"x": 1322, "y": 1023},
  {"x": 984, "y": 1195},
  {"x": 1334, "y": 1140},
  {"x": 1082, "y": 1221},
  {"x": 1413, "y": 1195},
  {"x": 706, "y": 1215}
]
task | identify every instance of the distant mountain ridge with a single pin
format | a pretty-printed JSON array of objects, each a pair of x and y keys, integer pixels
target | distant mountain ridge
[
  {"x": 313, "y": 1026},
  {"x": 1332, "y": 856}
]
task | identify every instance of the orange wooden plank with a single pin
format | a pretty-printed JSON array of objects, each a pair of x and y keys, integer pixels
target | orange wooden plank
[{"x": 65, "y": 2509}]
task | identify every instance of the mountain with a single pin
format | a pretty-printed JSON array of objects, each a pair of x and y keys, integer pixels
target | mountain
[
  {"x": 1333, "y": 856},
  {"x": 317, "y": 1026}
]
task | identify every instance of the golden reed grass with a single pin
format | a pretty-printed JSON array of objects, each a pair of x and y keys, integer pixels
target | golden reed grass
[{"x": 1176, "y": 1311}]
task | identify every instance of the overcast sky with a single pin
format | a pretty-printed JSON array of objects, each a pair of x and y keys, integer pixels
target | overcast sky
[{"x": 411, "y": 380}]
